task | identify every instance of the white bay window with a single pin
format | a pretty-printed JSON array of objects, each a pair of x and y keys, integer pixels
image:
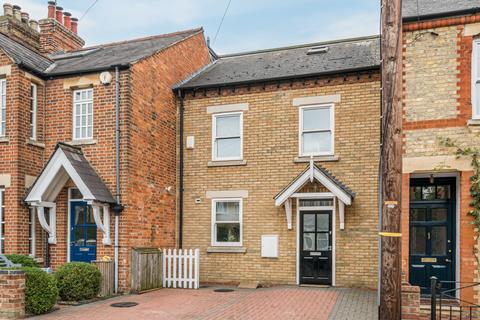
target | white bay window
[
  {"x": 83, "y": 114},
  {"x": 476, "y": 80},
  {"x": 316, "y": 130},
  {"x": 227, "y": 136},
  {"x": 227, "y": 222}
]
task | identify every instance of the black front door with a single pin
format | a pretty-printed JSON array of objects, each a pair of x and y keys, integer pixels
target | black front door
[
  {"x": 432, "y": 232},
  {"x": 316, "y": 247}
]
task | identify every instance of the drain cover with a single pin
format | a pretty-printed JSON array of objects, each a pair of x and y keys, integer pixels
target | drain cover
[
  {"x": 124, "y": 304},
  {"x": 223, "y": 290}
]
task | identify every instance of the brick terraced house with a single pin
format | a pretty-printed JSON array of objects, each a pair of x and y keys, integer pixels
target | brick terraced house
[
  {"x": 280, "y": 156},
  {"x": 441, "y": 100},
  {"x": 87, "y": 140}
]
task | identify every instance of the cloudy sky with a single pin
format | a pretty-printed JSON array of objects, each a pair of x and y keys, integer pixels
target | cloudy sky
[{"x": 248, "y": 25}]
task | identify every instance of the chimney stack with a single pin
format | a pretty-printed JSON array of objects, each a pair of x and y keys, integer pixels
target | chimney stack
[
  {"x": 74, "y": 25},
  {"x": 59, "y": 14},
  {"x": 8, "y": 10},
  {"x": 17, "y": 13},
  {"x": 34, "y": 25},
  {"x": 67, "y": 20},
  {"x": 25, "y": 17},
  {"x": 51, "y": 9}
]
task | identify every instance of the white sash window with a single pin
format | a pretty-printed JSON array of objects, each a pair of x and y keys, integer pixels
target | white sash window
[
  {"x": 3, "y": 107},
  {"x": 316, "y": 130},
  {"x": 83, "y": 114},
  {"x": 227, "y": 222},
  {"x": 33, "y": 111},
  {"x": 2, "y": 221},
  {"x": 476, "y": 80},
  {"x": 227, "y": 136}
]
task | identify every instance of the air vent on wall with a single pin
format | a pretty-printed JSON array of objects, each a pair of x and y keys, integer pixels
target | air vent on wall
[{"x": 319, "y": 49}]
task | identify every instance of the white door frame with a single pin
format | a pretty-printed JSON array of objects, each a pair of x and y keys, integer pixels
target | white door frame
[{"x": 334, "y": 228}]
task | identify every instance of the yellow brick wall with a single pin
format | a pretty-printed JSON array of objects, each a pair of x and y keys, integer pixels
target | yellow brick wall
[{"x": 271, "y": 128}]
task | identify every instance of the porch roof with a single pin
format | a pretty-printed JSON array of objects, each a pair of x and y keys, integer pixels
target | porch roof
[
  {"x": 322, "y": 175},
  {"x": 68, "y": 162}
]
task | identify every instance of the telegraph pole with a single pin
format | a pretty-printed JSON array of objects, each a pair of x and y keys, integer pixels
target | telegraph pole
[{"x": 391, "y": 160}]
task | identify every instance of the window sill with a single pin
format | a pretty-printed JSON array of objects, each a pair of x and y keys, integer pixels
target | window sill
[
  {"x": 82, "y": 142},
  {"x": 473, "y": 123},
  {"x": 226, "y": 250},
  {"x": 227, "y": 163},
  {"x": 4, "y": 139},
  {"x": 36, "y": 143},
  {"x": 317, "y": 158}
]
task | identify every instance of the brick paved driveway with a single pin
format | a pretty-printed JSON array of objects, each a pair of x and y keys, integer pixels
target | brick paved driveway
[{"x": 269, "y": 303}]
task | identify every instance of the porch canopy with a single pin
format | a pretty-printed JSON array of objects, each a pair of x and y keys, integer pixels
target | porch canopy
[
  {"x": 68, "y": 162},
  {"x": 312, "y": 173}
]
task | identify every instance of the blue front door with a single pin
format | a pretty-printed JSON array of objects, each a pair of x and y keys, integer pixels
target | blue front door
[{"x": 83, "y": 232}]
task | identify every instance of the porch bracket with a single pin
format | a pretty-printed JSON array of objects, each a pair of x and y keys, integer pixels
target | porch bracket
[
  {"x": 341, "y": 214},
  {"x": 288, "y": 212},
  {"x": 49, "y": 227},
  {"x": 104, "y": 225}
]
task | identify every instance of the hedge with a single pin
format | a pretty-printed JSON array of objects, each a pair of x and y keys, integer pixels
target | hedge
[
  {"x": 25, "y": 261},
  {"x": 78, "y": 281},
  {"x": 41, "y": 291}
]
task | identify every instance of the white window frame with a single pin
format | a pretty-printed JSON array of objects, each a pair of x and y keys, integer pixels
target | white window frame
[
  {"x": 475, "y": 78},
  {"x": 33, "y": 111},
  {"x": 214, "y": 136},
  {"x": 330, "y": 106},
  {"x": 75, "y": 125},
  {"x": 31, "y": 239},
  {"x": 215, "y": 243},
  {"x": 3, "y": 107},
  {"x": 2, "y": 221}
]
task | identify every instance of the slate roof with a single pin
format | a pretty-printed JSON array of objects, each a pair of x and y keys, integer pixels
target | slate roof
[
  {"x": 91, "y": 59},
  {"x": 86, "y": 172},
  {"x": 437, "y": 8},
  {"x": 23, "y": 56},
  {"x": 289, "y": 62}
]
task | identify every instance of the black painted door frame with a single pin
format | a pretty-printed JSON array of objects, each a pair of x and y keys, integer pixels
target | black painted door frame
[
  {"x": 315, "y": 251},
  {"x": 432, "y": 232}
]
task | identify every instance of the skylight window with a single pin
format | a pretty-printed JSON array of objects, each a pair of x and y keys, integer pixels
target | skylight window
[{"x": 319, "y": 49}]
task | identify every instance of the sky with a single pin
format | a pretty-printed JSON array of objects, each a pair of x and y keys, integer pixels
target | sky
[{"x": 248, "y": 25}]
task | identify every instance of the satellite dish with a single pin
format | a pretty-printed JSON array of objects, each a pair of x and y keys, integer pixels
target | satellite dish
[{"x": 105, "y": 77}]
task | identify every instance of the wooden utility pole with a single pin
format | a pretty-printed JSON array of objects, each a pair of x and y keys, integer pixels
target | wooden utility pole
[{"x": 391, "y": 160}]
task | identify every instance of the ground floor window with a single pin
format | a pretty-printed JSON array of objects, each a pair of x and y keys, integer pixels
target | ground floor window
[
  {"x": 227, "y": 222},
  {"x": 31, "y": 232},
  {"x": 2, "y": 221}
]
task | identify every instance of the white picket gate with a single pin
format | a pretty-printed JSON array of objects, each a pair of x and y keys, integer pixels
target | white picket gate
[{"x": 181, "y": 268}]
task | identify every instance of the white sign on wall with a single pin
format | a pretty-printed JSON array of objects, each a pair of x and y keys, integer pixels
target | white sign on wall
[{"x": 269, "y": 246}]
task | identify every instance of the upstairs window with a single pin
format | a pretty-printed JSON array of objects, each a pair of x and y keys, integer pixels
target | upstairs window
[
  {"x": 83, "y": 114},
  {"x": 227, "y": 222},
  {"x": 2, "y": 221},
  {"x": 316, "y": 130},
  {"x": 476, "y": 80},
  {"x": 3, "y": 107},
  {"x": 33, "y": 111},
  {"x": 227, "y": 136}
]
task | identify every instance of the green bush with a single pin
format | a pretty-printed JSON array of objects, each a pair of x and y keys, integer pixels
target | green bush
[
  {"x": 25, "y": 261},
  {"x": 41, "y": 291},
  {"x": 78, "y": 281}
]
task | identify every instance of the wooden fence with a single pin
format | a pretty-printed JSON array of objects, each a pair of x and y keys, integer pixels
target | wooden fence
[
  {"x": 146, "y": 269},
  {"x": 107, "y": 269},
  {"x": 181, "y": 268}
]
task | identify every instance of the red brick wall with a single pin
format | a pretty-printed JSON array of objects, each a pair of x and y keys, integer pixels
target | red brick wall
[
  {"x": 12, "y": 294},
  {"x": 150, "y": 216},
  {"x": 55, "y": 37}
]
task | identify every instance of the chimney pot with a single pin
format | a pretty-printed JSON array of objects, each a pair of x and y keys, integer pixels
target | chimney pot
[
  {"x": 25, "y": 17},
  {"x": 17, "y": 13},
  {"x": 74, "y": 25},
  {"x": 34, "y": 25},
  {"x": 67, "y": 20},
  {"x": 51, "y": 9},
  {"x": 8, "y": 9},
  {"x": 60, "y": 15}
]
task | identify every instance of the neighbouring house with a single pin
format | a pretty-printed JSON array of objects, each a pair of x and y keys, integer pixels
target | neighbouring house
[
  {"x": 87, "y": 139},
  {"x": 441, "y": 100},
  {"x": 279, "y": 164}
]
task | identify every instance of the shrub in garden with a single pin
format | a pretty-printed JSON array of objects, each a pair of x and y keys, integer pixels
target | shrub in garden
[
  {"x": 41, "y": 291},
  {"x": 78, "y": 281},
  {"x": 25, "y": 261}
]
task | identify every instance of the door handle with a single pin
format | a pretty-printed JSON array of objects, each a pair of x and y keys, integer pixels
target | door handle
[{"x": 448, "y": 260}]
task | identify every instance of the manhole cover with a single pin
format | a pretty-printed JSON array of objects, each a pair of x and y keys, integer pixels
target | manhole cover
[
  {"x": 124, "y": 304},
  {"x": 223, "y": 290}
]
